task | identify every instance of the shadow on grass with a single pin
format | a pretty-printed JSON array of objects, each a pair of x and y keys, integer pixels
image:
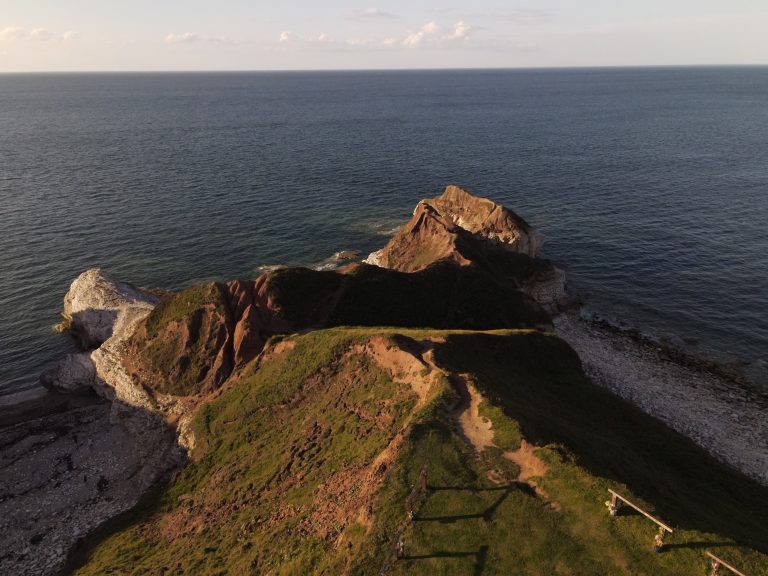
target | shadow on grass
[
  {"x": 538, "y": 381},
  {"x": 488, "y": 513},
  {"x": 627, "y": 511},
  {"x": 699, "y": 545},
  {"x": 481, "y": 557},
  {"x": 467, "y": 488}
]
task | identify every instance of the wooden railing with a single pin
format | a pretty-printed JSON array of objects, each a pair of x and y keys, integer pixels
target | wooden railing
[
  {"x": 658, "y": 543},
  {"x": 613, "y": 510},
  {"x": 718, "y": 562},
  {"x": 397, "y": 546}
]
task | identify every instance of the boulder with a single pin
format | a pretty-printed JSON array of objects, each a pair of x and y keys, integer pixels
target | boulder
[
  {"x": 94, "y": 302},
  {"x": 75, "y": 373}
]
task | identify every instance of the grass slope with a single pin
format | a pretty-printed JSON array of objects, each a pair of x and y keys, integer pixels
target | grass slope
[{"x": 284, "y": 484}]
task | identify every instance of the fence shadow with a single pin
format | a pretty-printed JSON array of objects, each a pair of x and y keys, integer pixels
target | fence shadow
[{"x": 480, "y": 555}]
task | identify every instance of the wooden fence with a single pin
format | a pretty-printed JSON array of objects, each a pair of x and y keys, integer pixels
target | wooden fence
[
  {"x": 658, "y": 543},
  {"x": 397, "y": 546}
]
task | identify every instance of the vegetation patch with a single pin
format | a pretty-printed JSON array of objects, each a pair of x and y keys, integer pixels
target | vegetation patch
[
  {"x": 305, "y": 464},
  {"x": 177, "y": 306}
]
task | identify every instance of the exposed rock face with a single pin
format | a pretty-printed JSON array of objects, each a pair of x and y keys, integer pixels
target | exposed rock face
[
  {"x": 194, "y": 340},
  {"x": 74, "y": 373},
  {"x": 489, "y": 220},
  {"x": 94, "y": 302},
  {"x": 102, "y": 312},
  {"x": 463, "y": 229}
]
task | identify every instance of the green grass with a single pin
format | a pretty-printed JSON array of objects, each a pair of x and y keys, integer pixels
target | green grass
[
  {"x": 183, "y": 339},
  {"x": 276, "y": 484},
  {"x": 178, "y": 306}
]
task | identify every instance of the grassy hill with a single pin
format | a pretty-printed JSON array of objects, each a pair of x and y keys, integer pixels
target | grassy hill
[{"x": 304, "y": 464}]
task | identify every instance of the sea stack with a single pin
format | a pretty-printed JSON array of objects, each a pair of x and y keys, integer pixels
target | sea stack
[{"x": 463, "y": 229}]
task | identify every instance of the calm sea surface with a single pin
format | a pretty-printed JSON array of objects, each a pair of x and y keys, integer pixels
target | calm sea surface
[{"x": 651, "y": 185}]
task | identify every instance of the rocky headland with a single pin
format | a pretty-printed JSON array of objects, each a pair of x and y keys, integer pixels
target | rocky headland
[{"x": 152, "y": 361}]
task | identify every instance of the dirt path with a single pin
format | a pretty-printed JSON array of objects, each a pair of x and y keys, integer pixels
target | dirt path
[
  {"x": 477, "y": 431},
  {"x": 530, "y": 465}
]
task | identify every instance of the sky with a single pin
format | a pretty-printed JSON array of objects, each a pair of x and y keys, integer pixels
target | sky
[{"x": 122, "y": 35}]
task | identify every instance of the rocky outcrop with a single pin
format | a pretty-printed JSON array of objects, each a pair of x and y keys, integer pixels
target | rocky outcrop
[
  {"x": 75, "y": 373},
  {"x": 196, "y": 338},
  {"x": 102, "y": 313},
  {"x": 463, "y": 229},
  {"x": 94, "y": 303},
  {"x": 488, "y": 220}
]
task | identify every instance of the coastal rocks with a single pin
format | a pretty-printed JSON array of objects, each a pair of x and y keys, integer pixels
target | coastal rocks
[
  {"x": 548, "y": 288},
  {"x": 102, "y": 313},
  {"x": 441, "y": 227},
  {"x": 720, "y": 416},
  {"x": 94, "y": 302},
  {"x": 463, "y": 229},
  {"x": 65, "y": 474},
  {"x": 488, "y": 219},
  {"x": 75, "y": 373}
]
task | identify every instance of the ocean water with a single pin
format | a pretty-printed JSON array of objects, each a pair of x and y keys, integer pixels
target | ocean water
[{"x": 651, "y": 185}]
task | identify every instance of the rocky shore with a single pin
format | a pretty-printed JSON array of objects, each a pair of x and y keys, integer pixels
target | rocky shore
[{"x": 720, "y": 415}]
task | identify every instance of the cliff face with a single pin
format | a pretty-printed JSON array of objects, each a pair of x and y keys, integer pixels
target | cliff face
[
  {"x": 463, "y": 229},
  {"x": 195, "y": 339}
]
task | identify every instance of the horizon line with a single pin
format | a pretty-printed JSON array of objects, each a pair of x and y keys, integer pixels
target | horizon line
[{"x": 434, "y": 69}]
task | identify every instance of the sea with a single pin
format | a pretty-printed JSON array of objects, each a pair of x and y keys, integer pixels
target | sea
[{"x": 649, "y": 184}]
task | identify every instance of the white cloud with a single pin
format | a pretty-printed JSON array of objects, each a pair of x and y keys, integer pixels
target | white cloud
[
  {"x": 460, "y": 32},
  {"x": 375, "y": 14},
  {"x": 39, "y": 34},
  {"x": 425, "y": 33},
  {"x": 12, "y": 33},
  {"x": 432, "y": 34},
  {"x": 190, "y": 38}
]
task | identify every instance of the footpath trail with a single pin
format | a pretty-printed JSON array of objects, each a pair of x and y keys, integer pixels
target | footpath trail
[{"x": 477, "y": 431}]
